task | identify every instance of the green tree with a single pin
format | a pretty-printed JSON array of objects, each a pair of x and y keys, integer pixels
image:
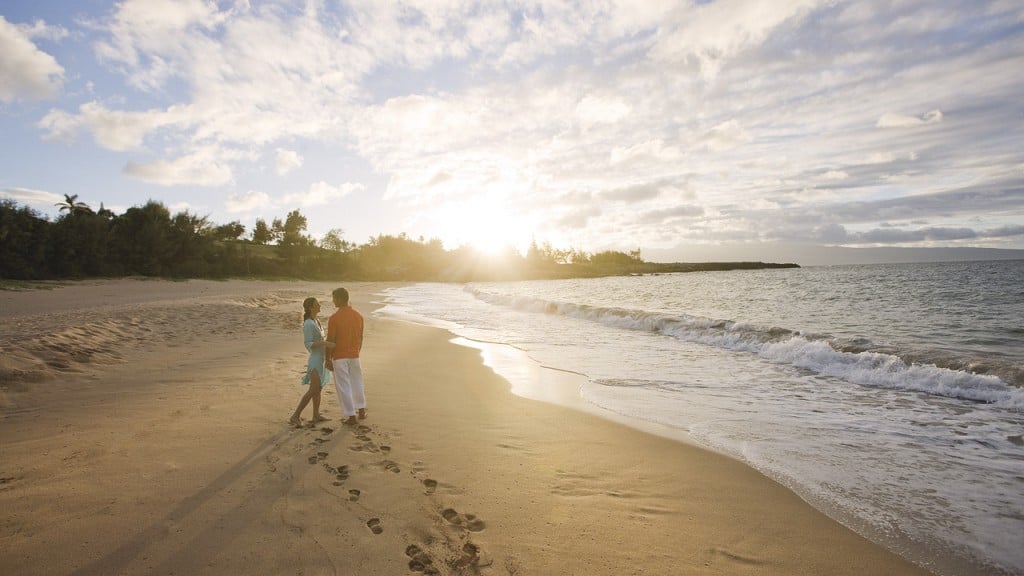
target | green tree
[
  {"x": 261, "y": 233},
  {"x": 24, "y": 238},
  {"x": 71, "y": 205},
  {"x": 230, "y": 231},
  {"x": 189, "y": 245},
  {"x": 276, "y": 230},
  {"x": 292, "y": 229},
  {"x": 612, "y": 258},
  {"x": 79, "y": 243},
  {"x": 334, "y": 241},
  {"x": 141, "y": 239}
]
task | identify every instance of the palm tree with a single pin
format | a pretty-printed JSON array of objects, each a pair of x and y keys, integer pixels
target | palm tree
[{"x": 73, "y": 206}]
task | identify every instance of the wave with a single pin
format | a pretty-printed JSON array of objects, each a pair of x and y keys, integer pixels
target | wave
[{"x": 858, "y": 361}]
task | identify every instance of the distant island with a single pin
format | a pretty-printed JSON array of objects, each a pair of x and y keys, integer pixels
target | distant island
[{"x": 149, "y": 241}]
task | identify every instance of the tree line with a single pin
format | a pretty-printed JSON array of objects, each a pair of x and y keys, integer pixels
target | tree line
[{"x": 149, "y": 240}]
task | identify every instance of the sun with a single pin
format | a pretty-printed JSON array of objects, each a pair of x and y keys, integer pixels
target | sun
[{"x": 482, "y": 223}]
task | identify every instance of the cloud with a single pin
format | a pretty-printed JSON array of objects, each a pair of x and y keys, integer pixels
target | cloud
[
  {"x": 1005, "y": 231},
  {"x": 733, "y": 119},
  {"x": 318, "y": 194},
  {"x": 896, "y": 236},
  {"x": 904, "y": 236},
  {"x": 112, "y": 129},
  {"x": 321, "y": 194},
  {"x": 204, "y": 167},
  {"x": 890, "y": 120},
  {"x": 651, "y": 150},
  {"x": 26, "y": 72},
  {"x": 663, "y": 216},
  {"x": 251, "y": 201},
  {"x": 725, "y": 136},
  {"x": 600, "y": 110},
  {"x": 933, "y": 218},
  {"x": 32, "y": 197},
  {"x": 577, "y": 219},
  {"x": 637, "y": 193},
  {"x": 712, "y": 33},
  {"x": 287, "y": 160}
]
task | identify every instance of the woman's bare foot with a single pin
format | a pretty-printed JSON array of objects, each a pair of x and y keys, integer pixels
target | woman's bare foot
[
  {"x": 295, "y": 421},
  {"x": 362, "y": 413}
]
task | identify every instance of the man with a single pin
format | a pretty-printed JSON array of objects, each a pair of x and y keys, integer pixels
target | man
[{"x": 345, "y": 333}]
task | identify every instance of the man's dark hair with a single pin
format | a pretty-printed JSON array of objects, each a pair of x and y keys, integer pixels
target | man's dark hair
[{"x": 340, "y": 296}]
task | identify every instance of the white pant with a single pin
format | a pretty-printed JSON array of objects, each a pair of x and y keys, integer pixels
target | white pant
[{"x": 348, "y": 380}]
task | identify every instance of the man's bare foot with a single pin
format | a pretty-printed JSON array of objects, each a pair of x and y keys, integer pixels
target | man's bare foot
[
  {"x": 295, "y": 421},
  {"x": 362, "y": 413},
  {"x": 350, "y": 421}
]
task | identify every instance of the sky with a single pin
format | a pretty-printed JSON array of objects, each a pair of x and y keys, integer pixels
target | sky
[{"x": 749, "y": 129}]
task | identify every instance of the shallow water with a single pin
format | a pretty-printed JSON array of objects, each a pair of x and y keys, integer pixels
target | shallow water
[{"x": 888, "y": 396}]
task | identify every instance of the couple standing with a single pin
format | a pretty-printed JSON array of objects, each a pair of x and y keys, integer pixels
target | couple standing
[{"x": 344, "y": 341}]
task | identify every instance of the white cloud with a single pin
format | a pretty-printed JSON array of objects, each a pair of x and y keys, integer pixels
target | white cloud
[
  {"x": 321, "y": 194},
  {"x": 250, "y": 201},
  {"x": 651, "y": 150},
  {"x": 205, "y": 167},
  {"x": 715, "y": 32},
  {"x": 32, "y": 197},
  {"x": 178, "y": 207},
  {"x": 599, "y": 110},
  {"x": 554, "y": 106},
  {"x": 25, "y": 70},
  {"x": 287, "y": 160},
  {"x": 891, "y": 120},
  {"x": 155, "y": 33},
  {"x": 725, "y": 136},
  {"x": 60, "y": 126},
  {"x": 113, "y": 129}
]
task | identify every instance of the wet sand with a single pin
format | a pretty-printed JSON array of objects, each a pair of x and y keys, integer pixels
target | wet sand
[{"x": 144, "y": 431}]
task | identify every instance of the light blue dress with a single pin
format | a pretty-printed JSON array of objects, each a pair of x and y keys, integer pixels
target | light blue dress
[{"x": 312, "y": 332}]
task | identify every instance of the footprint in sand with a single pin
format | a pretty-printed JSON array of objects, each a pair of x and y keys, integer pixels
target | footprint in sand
[
  {"x": 420, "y": 561},
  {"x": 392, "y": 466},
  {"x": 353, "y": 494},
  {"x": 468, "y": 521},
  {"x": 318, "y": 457},
  {"x": 431, "y": 485},
  {"x": 340, "y": 474},
  {"x": 365, "y": 445},
  {"x": 374, "y": 525},
  {"x": 271, "y": 463},
  {"x": 470, "y": 556}
]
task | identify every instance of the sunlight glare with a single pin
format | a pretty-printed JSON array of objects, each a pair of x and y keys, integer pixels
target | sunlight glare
[{"x": 482, "y": 223}]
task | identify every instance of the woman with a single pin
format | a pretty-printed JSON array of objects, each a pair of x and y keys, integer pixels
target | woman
[{"x": 316, "y": 374}]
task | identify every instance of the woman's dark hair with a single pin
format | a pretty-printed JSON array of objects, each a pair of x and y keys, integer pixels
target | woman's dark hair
[{"x": 307, "y": 308}]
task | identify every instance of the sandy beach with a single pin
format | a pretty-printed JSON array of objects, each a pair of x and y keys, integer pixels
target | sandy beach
[{"x": 144, "y": 431}]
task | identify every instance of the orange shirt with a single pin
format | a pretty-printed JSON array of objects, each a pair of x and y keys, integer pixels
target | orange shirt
[{"x": 345, "y": 329}]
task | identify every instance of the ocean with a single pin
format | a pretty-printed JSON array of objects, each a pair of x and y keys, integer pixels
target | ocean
[{"x": 889, "y": 396}]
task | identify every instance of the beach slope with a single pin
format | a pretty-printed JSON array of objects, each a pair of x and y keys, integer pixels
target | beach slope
[{"x": 144, "y": 431}]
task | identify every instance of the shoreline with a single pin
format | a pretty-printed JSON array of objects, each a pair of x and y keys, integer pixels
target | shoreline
[
  {"x": 166, "y": 449},
  {"x": 534, "y": 381}
]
